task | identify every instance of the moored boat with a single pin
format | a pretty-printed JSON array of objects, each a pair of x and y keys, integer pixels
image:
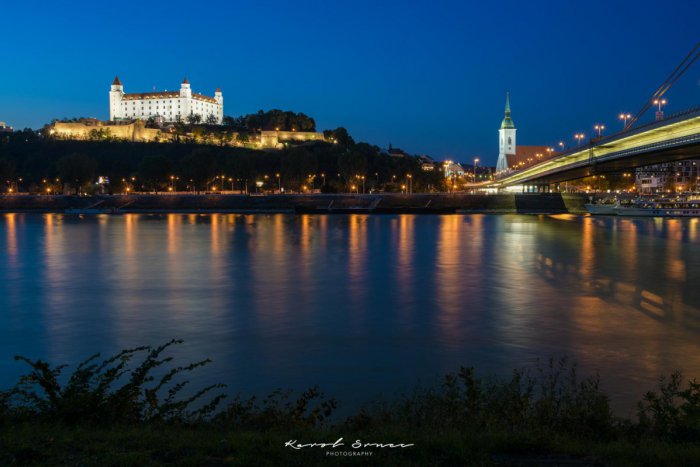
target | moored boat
[{"x": 605, "y": 209}]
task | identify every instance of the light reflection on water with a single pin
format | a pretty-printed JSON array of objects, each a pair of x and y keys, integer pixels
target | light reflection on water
[{"x": 358, "y": 304}]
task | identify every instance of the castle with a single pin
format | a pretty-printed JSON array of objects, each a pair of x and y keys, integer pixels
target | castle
[
  {"x": 511, "y": 156},
  {"x": 166, "y": 106}
]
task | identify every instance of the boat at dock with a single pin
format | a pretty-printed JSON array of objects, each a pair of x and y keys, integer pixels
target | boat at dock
[{"x": 649, "y": 207}]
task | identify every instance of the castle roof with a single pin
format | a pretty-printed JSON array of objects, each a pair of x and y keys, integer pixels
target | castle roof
[
  {"x": 185, "y": 81},
  {"x": 150, "y": 95},
  {"x": 218, "y": 90},
  {"x": 116, "y": 81},
  {"x": 135, "y": 96}
]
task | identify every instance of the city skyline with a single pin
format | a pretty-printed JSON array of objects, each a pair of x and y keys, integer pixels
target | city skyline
[{"x": 429, "y": 79}]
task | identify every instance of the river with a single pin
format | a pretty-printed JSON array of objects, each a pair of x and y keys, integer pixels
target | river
[{"x": 360, "y": 305}]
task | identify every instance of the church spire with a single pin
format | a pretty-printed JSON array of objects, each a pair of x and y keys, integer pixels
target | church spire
[{"x": 507, "y": 121}]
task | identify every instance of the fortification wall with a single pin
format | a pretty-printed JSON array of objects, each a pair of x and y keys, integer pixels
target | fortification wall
[
  {"x": 87, "y": 130},
  {"x": 270, "y": 139}
]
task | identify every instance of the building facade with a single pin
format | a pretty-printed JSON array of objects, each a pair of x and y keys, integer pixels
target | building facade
[
  {"x": 165, "y": 106},
  {"x": 669, "y": 177},
  {"x": 4, "y": 128}
]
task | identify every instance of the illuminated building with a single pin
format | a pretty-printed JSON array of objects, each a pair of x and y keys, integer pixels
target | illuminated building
[
  {"x": 512, "y": 156},
  {"x": 165, "y": 106}
]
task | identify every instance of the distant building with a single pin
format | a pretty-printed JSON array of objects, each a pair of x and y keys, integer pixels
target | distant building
[
  {"x": 166, "y": 106},
  {"x": 510, "y": 155},
  {"x": 427, "y": 163},
  {"x": 668, "y": 177},
  {"x": 452, "y": 169},
  {"x": 4, "y": 128},
  {"x": 395, "y": 152}
]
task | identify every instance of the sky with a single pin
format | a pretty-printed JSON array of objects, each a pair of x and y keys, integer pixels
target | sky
[{"x": 429, "y": 77}]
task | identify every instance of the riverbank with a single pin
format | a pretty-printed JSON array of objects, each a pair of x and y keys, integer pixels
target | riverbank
[
  {"x": 118, "y": 412},
  {"x": 525, "y": 203}
]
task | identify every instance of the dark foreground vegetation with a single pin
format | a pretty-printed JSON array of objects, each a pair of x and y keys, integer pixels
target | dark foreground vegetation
[{"x": 137, "y": 408}]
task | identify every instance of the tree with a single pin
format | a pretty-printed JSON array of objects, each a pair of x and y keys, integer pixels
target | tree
[
  {"x": 151, "y": 122},
  {"x": 99, "y": 134},
  {"x": 212, "y": 119},
  {"x": 194, "y": 118},
  {"x": 340, "y": 136},
  {"x": 298, "y": 164},
  {"x": 200, "y": 167},
  {"x": 154, "y": 168},
  {"x": 78, "y": 169},
  {"x": 6, "y": 170}
]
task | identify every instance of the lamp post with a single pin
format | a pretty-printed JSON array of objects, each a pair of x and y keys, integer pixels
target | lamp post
[
  {"x": 579, "y": 137},
  {"x": 476, "y": 161},
  {"x": 660, "y": 113},
  {"x": 279, "y": 182},
  {"x": 624, "y": 117},
  {"x": 599, "y": 128},
  {"x": 323, "y": 175},
  {"x": 410, "y": 183}
]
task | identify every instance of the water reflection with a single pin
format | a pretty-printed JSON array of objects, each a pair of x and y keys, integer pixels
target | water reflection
[{"x": 359, "y": 304}]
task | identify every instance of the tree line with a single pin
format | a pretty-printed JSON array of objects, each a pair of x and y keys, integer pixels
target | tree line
[{"x": 32, "y": 162}]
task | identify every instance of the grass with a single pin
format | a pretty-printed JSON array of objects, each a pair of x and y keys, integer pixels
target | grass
[{"x": 116, "y": 412}]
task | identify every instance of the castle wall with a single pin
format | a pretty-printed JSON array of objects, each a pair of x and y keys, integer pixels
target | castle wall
[
  {"x": 271, "y": 139},
  {"x": 82, "y": 131}
]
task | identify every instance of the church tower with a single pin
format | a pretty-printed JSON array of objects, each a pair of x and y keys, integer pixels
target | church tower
[
  {"x": 506, "y": 138},
  {"x": 116, "y": 93}
]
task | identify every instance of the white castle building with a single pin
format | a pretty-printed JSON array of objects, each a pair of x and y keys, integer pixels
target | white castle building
[{"x": 168, "y": 106}]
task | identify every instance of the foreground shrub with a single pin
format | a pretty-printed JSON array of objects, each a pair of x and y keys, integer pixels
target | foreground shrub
[
  {"x": 124, "y": 390},
  {"x": 673, "y": 412},
  {"x": 111, "y": 391},
  {"x": 550, "y": 399}
]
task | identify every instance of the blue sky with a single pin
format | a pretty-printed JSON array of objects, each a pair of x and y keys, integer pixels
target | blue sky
[{"x": 427, "y": 76}]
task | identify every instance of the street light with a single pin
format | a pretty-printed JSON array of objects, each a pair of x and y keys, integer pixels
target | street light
[
  {"x": 279, "y": 182},
  {"x": 660, "y": 103},
  {"x": 624, "y": 117},
  {"x": 599, "y": 128},
  {"x": 410, "y": 183},
  {"x": 476, "y": 161},
  {"x": 579, "y": 137}
]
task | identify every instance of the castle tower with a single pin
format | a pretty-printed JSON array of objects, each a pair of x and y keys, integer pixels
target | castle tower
[
  {"x": 186, "y": 99},
  {"x": 506, "y": 138},
  {"x": 185, "y": 90},
  {"x": 116, "y": 93},
  {"x": 220, "y": 102}
]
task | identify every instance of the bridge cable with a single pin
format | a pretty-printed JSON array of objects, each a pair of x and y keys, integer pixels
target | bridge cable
[{"x": 670, "y": 81}]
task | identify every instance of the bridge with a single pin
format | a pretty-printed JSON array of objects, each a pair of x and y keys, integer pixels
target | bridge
[{"x": 674, "y": 138}]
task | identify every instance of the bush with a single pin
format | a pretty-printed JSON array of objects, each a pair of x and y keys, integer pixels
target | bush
[{"x": 110, "y": 391}]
